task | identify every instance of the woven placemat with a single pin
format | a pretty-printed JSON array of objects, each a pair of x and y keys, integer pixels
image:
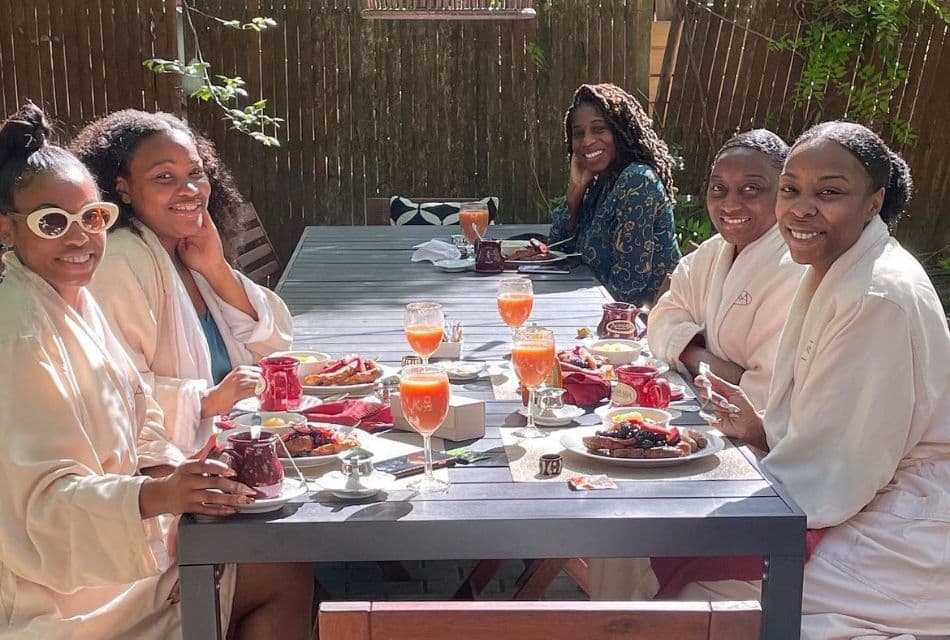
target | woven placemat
[{"x": 523, "y": 455}]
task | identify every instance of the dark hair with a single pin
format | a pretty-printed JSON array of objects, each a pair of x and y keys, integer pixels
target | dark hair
[
  {"x": 886, "y": 168},
  {"x": 25, "y": 152},
  {"x": 632, "y": 129},
  {"x": 761, "y": 140},
  {"x": 107, "y": 145}
]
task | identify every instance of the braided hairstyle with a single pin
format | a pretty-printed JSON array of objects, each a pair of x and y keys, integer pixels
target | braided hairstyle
[
  {"x": 25, "y": 152},
  {"x": 761, "y": 140},
  {"x": 885, "y": 167},
  {"x": 631, "y": 127},
  {"x": 107, "y": 145}
]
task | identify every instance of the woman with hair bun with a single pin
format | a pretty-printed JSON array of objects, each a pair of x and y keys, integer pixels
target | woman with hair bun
[
  {"x": 857, "y": 425},
  {"x": 90, "y": 486},
  {"x": 728, "y": 300}
]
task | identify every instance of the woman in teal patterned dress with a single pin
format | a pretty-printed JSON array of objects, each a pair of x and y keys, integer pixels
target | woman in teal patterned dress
[{"x": 620, "y": 193}]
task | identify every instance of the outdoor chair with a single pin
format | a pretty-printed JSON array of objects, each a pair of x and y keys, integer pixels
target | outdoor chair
[
  {"x": 255, "y": 256},
  {"x": 539, "y": 620},
  {"x": 380, "y": 210}
]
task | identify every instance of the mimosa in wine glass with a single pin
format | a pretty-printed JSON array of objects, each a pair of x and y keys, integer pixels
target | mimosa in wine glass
[
  {"x": 423, "y": 323},
  {"x": 515, "y": 300},
  {"x": 532, "y": 356},
  {"x": 473, "y": 218},
  {"x": 424, "y": 398}
]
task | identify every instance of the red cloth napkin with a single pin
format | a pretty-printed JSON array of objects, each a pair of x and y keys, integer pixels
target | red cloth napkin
[
  {"x": 584, "y": 389},
  {"x": 368, "y": 415},
  {"x": 675, "y": 573}
]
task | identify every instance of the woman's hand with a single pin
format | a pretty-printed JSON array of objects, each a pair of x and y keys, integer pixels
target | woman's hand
[
  {"x": 203, "y": 252},
  {"x": 240, "y": 383},
  {"x": 580, "y": 176},
  {"x": 736, "y": 417},
  {"x": 195, "y": 486}
]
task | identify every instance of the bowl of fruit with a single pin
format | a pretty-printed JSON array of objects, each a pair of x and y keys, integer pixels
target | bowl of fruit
[
  {"x": 617, "y": 351},
  {"x": 275, "y": 421}
]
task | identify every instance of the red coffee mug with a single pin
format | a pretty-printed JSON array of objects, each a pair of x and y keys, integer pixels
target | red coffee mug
[
  {"x": 649, "y": 388},
  {"x": 282, "y": 390},
  {"x": 256, "y": 462}
]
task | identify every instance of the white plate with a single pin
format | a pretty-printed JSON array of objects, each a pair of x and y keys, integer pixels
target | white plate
[
  {"x": 335, "y": 483},
  {"x": 353, "y": 390},
  {"x": 462, "y": 370},
  {"x": 563, "y": 416},
  {"x": 293, "y": 488},
  {"x": 572, "y": 439},
  {"x": 459, "y": 264},
  {"x": 254, "y": 404}
]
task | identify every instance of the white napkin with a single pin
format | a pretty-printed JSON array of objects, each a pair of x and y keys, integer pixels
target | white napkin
[{"x": 435, "y": 250}]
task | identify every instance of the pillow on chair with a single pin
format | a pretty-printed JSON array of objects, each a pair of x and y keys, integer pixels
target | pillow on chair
[{"x": 403, "y": 211}]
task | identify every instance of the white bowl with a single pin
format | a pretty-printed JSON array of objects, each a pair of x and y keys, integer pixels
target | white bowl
[
  {"x": 311, "y": 362},
  {"x": 289, "y": 418},
  {"x": 618, "y": 351},
  {"x": 656, "y": 415}
]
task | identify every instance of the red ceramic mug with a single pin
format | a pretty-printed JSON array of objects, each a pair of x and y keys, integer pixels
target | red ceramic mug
[
  {"x": 649, "y": 389},
  {"x": 282, "y": 390},
  {"x": 256, "y": 462}
]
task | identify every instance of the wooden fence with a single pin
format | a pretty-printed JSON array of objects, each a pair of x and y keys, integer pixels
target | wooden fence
[{"x": 721, "y": 78}]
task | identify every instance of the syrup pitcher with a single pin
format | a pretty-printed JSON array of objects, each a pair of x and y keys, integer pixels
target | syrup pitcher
[{"x": 622, "y": 320}]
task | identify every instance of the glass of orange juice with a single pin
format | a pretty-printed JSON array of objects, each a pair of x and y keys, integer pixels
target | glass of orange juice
[
  {"x": 424, "y": 398},
  {"x": 532, "y": 356},
  {"x": 473, "y": 218},
  {"x": 515, "y": 300},
  {"x": 423, "y": 323}
]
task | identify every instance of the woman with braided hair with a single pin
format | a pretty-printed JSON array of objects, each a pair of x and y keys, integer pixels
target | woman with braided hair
[{"x": 620, "y": 193}]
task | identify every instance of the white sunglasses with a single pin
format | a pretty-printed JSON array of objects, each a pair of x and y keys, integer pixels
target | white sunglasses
[{"x": 53, "y": 222}]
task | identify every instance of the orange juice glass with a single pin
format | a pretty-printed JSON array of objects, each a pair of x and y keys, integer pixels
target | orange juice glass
[
  {"x": 473, "y": 218},
  {"x": 515, "y": 301},
  {"x": 532, "y": 356},
  {"x": 424, "y": 398},
  {"x": 423, "y": 322}
]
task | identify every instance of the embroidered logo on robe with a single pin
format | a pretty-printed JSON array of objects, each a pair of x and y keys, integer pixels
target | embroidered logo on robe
[{"x": 744, "y": 299}]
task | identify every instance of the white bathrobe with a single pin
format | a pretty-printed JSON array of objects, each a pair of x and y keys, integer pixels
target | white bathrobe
[
  {"x": 739, "y": 305},
  {"x": 858, "y": 423},
  {"x": 150, "y": 312},
  {"x": 76, "y": 558}
]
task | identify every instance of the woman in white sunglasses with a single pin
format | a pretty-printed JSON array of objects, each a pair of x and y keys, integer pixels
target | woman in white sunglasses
[
  {"x": 194, "y": 326},
  {"x": 90, "y": 487}
]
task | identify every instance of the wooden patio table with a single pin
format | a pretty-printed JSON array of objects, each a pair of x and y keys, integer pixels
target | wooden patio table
[{"x": 347, "y": 287}]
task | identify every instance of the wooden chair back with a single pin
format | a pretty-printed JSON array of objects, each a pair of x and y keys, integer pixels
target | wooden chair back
[
  {"x": 539, "y": 620},
  {"x": 256, "y": 256},
  {"x": 377, "y": 209}
]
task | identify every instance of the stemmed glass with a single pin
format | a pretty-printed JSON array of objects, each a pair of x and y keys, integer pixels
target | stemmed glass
[
  {"x": 474, "y": 219},
  {"x": 423, "y": 323},
  {"x": 424, "y": 397},
  {"x": 532, "y": 355},
  {"x": 705, "y": 403},
  {"x": 515, "y": 301}
]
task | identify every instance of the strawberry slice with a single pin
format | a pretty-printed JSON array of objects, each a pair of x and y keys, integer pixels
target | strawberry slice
[{"x": 671, "y": 434}]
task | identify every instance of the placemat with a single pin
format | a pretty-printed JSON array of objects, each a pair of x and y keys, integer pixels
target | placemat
[
  {"x": 523, "y": 455},
  {"x": 504, "y": 382}
]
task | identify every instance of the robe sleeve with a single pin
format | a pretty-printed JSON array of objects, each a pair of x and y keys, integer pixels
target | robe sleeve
[
  {"x": 678, "y": 315},
  {"x": 559, "y": 231},
  {"x": 67, "y": 524},
  {"x": 639, "y": 204},
  {"x": 130, "y": 297},
  {"x": 850, "y": 415}
]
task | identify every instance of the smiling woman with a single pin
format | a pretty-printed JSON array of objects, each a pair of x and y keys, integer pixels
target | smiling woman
[{"x": 620, "y": 193}]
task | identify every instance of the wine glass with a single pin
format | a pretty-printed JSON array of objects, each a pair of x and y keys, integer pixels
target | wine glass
[
  {"x": 474, "y": 219},
  {"x": 532, "y": 355},
  {"x": 424, "y": 397},
  {"x": 423, "y": 323},
  {"x": 705, "y": 403},
  {"x": 515, "y": 300}
]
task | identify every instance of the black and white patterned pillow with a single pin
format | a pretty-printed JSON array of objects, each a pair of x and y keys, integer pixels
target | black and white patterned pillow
[{"x": 403, "y": 211}]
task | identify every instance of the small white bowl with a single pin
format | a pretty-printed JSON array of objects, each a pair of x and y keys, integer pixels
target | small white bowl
[
  {"x": 311, "y": 362},
  {"x": 656, "y": 415},
  {"x": 289, "y": 418},
  {"x": 617, "y": 351}
]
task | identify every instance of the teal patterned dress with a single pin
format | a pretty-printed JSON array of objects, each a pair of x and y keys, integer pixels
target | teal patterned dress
[{"x": 624, "y": 233}]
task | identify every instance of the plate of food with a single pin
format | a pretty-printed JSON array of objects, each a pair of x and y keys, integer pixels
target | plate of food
[
  {"x": 317, "y": 443},
  {"x": 529, "y": 252},
  {"x": 643, "y": 444},
  {"x": 580, "y": 358},
  {"x": 351, "y": 374}
]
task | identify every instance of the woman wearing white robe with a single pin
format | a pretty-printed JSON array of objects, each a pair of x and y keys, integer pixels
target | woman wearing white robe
[
  {"x": 166, "y": 266},
  {"x": 728, "y": 300},
  {"x": 90, "y": 487},
  {"x": 857, "y": 426}
]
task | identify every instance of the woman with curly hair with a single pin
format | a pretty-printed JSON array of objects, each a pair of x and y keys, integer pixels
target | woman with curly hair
[
  {"x": 620, "y": 193},
  {"x": 193, "y": 325}
]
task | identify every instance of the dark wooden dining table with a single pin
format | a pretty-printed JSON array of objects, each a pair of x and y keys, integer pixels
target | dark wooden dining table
[{"x": 347, "y": 288}]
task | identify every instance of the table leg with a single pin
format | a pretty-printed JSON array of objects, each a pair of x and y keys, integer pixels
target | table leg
[
  {"x": 782, "y": 597},
  {"x": 200, "y": 608}
]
